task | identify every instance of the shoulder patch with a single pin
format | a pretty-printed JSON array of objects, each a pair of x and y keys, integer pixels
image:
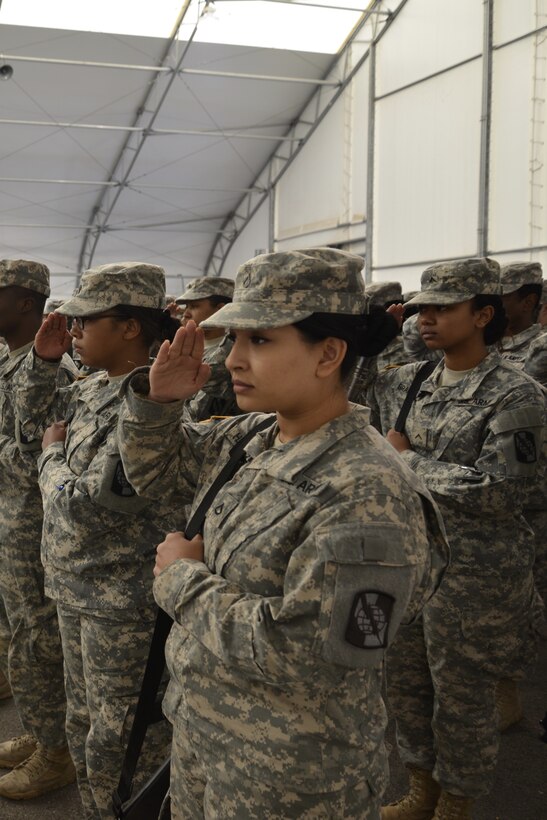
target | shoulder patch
[
  {"x": 525, "y": 446},
  {"x": 369, "y": 619},
  {"x": 120, "y": 484}
]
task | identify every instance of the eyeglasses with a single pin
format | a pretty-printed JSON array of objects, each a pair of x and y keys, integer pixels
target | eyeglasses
[{"x": 80, "y": 321}]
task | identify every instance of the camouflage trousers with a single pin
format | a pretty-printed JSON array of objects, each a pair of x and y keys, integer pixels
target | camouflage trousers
[
  {"x": 538, "y": 522},
  {"x": 34, "y": 655},
  {"x": 221, "y": 792},
  {"x": 5, "y": 638},
  {"x": 105, "y": 656},
  {"x": 442, "y": 675}
]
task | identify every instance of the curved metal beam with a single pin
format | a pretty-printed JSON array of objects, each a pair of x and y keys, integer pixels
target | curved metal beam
[
  {"x": 295, "y": 139},
  {"x": 131, "y": 148}
]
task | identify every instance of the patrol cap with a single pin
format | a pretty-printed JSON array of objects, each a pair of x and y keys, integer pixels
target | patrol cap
[
  {"x": 277, "y": 289},
  {"x": 408, "y": 295},
  {"x": 52, "y": 305},
  {"x": 24, "y": 274},
  {"x": 451, "y": 282},
  {"x": 380, "y": 293},
  {"x": 122, "y": 283},
  {"x": 205, "y": 287},
  {"x": 517, "y": 274}
]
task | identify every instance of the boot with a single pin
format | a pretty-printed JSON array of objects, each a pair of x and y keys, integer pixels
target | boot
[
  {"x": 420, "y": 802},
  {"x": 5, "y": 688},
  {"x": 44, "y": 771},
  {"x": 16, "y": 750},
  {"x": 508, "y": 704},
  {"x": 453, "y": 807}
]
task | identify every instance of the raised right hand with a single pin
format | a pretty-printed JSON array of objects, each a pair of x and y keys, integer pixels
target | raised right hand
[
  {"x": 178, "y": 371},
  {"x": 53, "y": 338}
]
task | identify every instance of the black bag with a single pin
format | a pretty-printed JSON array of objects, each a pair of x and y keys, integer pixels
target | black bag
[{"x": 152, "y": 801}]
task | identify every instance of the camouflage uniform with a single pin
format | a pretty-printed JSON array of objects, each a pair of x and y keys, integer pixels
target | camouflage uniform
[
  {"x": 35, "y": 657},
  {"x": 98, "y": 548},
  {"x": 217, "y": 397},
  {"x": 278, "y": 646},
  {"x": 476, "y": 446},
  {"x": 535, "y": 363}
]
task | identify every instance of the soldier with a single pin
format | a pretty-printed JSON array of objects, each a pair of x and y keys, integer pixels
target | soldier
[
  {"x": 521, "y": 288},
  {"x": 474, "y": 436},
  {"x": 39, "y": 758},
  {"x": 99, "y": 537},
  {"x": 202, "y": 299},
  {"x": 311, "y": 556},
  {"x": 385, "y": 294},
  {"x": 535, "y": 363}
]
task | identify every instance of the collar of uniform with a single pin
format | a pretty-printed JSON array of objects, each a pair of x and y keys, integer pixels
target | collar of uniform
[
  {"x": 296, "y": 455},
  {"x": 97, "y": 391},
  {"x": 468, "y": 386},
  {"x": 522, "y": 338},
  {"x": 14, "y": 358}
]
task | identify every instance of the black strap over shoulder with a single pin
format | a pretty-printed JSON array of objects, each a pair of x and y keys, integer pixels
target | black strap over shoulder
[
  {"x": 148, "y": 711},
  {"x": 421, "y": 375}
]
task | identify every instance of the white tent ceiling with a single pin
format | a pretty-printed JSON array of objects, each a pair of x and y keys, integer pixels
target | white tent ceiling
[{"x": 78, "y": 186}]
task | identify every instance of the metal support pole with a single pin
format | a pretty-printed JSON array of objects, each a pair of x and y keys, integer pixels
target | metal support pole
[
  {"x": 370, "y": 161},
  {"x": 486, "y": 120}
]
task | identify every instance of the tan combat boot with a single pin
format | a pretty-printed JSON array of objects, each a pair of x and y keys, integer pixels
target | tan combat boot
[
  {"x": 508, "y": 704},
  {"x": 5, "y": 688},
  {"x": 453, "y": 807},
  {"x": 419, "y": 803},
  {"x": 16, "y": 750},
  {"x": 44, "y": 771}
]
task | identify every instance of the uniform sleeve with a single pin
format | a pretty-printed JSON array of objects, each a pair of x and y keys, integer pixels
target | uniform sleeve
[
  {"x": 347, "y": 588},
  {"x": 510, "y": 458},
  {"x": 535, "y": 363},
  {"x": 161, "y": 456},
  {"x": 17, "y": 463},
  {"x": 42, "y": 395}
]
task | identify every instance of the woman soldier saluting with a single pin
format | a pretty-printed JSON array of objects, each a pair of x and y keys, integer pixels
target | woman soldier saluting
[
  {"x": 310, "y": 559},
  {"x": 98, "y": 536}
]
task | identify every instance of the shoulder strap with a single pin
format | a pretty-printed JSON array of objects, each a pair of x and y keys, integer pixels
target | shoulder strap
[
  {"x": 421, "y": 375},
  {"x": 147, "y": 711}
]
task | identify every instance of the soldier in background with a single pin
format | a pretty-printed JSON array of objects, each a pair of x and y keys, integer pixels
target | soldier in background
[
  {"x": 39, "y": 758},
  {"x": 51, "y": 306},
  {"x": 202, "y": 299},
  {"x": 311, "y": 556},
  {"x": 521, "y": 295},
  {"x": 99, "y": 537},
  {"x": 385, "y": 294},
  {"x": 474, "y": 435}
]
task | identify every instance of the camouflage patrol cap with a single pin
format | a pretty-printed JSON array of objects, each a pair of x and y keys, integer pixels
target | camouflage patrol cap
[
  {"x": 380, "y": 293},
  {"x": 24, "y": 274},
  {"x": 451, "y": 282},
  {"x": 408, "y": 295},
  {"x": 205, "y": 287},
  {"x": 277, "y": 289},
  {"x": 52, "y": 305},
  {"x": 122, "y": 283},
  {"x": 516, "y": 274}
]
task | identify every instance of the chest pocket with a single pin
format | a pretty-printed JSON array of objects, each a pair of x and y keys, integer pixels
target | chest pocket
[
  {"x": 451, "y": 430},
  {"x": 244, "y": 532}
]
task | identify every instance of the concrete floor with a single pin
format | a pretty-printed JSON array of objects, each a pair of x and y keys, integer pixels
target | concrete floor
[{"x": 520, "y": 790}]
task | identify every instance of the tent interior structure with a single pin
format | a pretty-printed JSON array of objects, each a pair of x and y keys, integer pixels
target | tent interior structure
[{"x": 197, "y": 134}]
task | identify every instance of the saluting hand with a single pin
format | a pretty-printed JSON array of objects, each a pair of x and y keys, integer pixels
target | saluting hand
[
  {"x": 178, "y": 371},
  {"x": 53, "y": 338},
  {"x": 398, "y": 313},
  {"x": 177, "y": 546}
]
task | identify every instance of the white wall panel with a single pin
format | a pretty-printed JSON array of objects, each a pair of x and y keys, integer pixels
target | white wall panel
[
  {"x": 325, "y": 186},
  {"x": 510, "y": 146},
  {"x": 427, "y": 36},
  {"x": 427, "y": 169},
  {"x": 513, "y": 18},
  {"x": 409, "y": 277},
  {"x": 254, "y": 239}
]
